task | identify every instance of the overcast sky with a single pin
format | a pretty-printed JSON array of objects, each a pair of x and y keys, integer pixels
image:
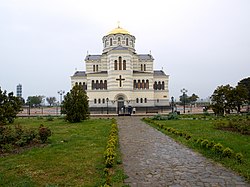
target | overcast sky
[{"x": 200, "y": 44}]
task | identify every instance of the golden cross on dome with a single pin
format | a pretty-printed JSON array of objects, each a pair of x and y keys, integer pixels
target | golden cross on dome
[{"x": 118, "y": 24}]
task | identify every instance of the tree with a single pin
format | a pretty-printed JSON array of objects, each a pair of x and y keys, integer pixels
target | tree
[
  {"x": 221, "y": 100},
  {"x": 240, "y": 94},
  {"x": 193, "y": 98},
  {"x": 189, "y": 99},
  {"x": 246, "y": 83},
  {"x": 75, "y": 105},
  {"x": 10, "y": 106},
  {"x": 35, "y": 100},
  {"x": 51, "y": 100}
]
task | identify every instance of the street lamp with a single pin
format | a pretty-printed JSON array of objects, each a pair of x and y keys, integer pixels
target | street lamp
[
  {"x": 61, "y": 92},
  {"x": 184, "y": 91},
  {"x": 172, "y": 104},
  {"x": 107, "y": 100}
]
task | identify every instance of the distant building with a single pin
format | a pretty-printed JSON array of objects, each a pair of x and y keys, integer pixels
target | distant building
[{"x": 19, "y": 90}]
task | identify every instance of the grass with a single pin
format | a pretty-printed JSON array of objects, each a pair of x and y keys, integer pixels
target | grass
[
  {"x": 205, "y": 129},
  {"x": 74, "y": 156}
]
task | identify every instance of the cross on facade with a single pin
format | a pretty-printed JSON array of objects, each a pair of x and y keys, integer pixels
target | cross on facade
[{"x": 120, "y": 79}]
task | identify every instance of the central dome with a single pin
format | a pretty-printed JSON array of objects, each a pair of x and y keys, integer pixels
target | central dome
[{"x": 118, "y": 30}]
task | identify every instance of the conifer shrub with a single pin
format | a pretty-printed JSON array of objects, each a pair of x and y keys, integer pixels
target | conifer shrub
[
  {"x": 218, "y": 148},
  {"x": 239, "y": 157},
  {"x": 210, "y": 144},
  {"x": 227, "y": 152},
  {"x": 204, "y": 143}
]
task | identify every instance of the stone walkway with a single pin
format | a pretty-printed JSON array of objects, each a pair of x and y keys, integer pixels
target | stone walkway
[{"x": 152, "y": 159}]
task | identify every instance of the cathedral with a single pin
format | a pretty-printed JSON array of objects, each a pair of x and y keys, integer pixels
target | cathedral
[{"x": 119, "y": 78}]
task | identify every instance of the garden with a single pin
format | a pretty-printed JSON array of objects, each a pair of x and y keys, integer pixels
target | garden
[{"x": 73, "y": 154}]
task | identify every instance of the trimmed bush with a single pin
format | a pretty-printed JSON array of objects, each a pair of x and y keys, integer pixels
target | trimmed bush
[
  {"x": 218, "y": 148},
  {"x": 210, "y": 144},
  {"x": 239, "y": 157},
  {"x": 204, "y": 143},
  {"x": 227, "y": 152}
]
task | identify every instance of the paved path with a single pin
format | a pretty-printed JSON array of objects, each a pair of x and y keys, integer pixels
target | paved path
[{"x": 153, "y": 159}]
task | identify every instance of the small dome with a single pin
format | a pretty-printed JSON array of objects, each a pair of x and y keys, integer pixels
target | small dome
[{"x": 118, "y": 30}]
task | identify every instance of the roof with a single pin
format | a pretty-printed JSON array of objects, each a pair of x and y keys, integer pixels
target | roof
[
  {"x": 80, "y": 74},
  {"x": 118, "y": 30},
  {"x": 99, "y": 72},
  {"x": 93, "y": 57},
  {"x": 159, "y": 73},
  {"x": 145, "y": 57}
]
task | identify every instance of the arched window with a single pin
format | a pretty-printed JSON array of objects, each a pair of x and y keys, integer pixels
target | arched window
[
  {"x": 147, "y": 84},
  {"x": 84, "y": 86},
  {"x": 111, "y": 42},
  {"x": 94, "y": 101},
  {"x": 76, "y": 83},
  {"x": 93, "y": 84},
  {"x": 126, "y": 41},
  {"x": 159, "y": 85},
  {"x": 105, "y": 84},
  {"x": 124, "y": 64},
  {"x": 120, "y": 63},
  {"x": 105, "y": 43},
  {"x": 103, "y": 100},
  {"x": 163, "y": 85},
  {"x": 115, "y": 64},
  {"x": 141, "y": 67},
  {"x": 145, "y": 100},
  {"x": 137, "y": 100},
  {"x": 155, "y": 85},
  {"x": 119, "y": 39},
  {"x": 143, "y": 84},
  {"x": 80, "y": 83},
  {"x": 134, "y": 84},
  {"x": 96, "y": 67},
  {"x": 97, "y": 84},
  {"x": 141, "y": 100},
  {"x": 139, "y": 84},
  {"x": 101, "y": 85},
  {"x": 144, "y": 67},
  {"x": 99, "y": 101},
  {"x": 93, "y": 68}
]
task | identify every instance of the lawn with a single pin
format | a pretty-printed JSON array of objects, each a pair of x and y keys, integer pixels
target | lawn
[
  {"x": 205, "y": 129},
  {"x": 73, "y": 157}
]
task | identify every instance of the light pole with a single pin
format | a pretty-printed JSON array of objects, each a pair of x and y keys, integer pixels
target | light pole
[
  {"x": 184, "y": 91},
  {"x": 61, "y": 92},
  {"x": 172, "y": 104},
  {"x": 107, "y": 100}
]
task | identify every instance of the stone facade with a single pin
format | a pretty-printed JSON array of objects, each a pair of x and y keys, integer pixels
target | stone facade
[{"x": 121, "y": 77}]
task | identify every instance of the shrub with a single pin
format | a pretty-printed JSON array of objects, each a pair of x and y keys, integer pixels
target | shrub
[
  {"x": 50, "y": 118},
  {"x": 199, "y": 140},
  {"x": 218, "y": 148},
  {"x": 239, "y": 157},
  {"x": 210, "y": 144},
  {"x": 227, "y": 152},
  {"x": 44, "y": 133},
  {"x": 173, "y": 116},
  {"x": 204, "y": 143}
]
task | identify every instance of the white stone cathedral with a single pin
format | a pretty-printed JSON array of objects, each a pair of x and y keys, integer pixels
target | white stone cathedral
[{"x": 120, "y": 77}]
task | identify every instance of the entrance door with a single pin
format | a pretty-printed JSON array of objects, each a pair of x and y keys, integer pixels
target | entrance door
[{"x": 120, "y": 105}]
